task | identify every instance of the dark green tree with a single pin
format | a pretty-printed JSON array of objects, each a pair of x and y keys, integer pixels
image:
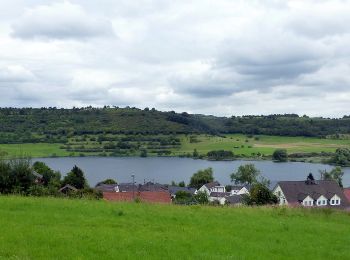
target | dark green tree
[
  {"x": 50, "y": 177},
  {"x": 76, "y": 178},
  {"x": 201, "y": 197},
  {"x": 260, "y": 194},
  {"x": 280, "y": 155},
  {"x": 201, "y": 177}
]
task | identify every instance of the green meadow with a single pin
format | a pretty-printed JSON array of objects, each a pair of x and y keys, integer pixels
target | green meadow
[
  {"x": 52, "y": 228},
  {"x": 239, "y": 144}
]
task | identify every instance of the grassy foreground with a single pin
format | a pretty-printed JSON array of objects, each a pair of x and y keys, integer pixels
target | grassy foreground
[{"x": 47, "y": 228}]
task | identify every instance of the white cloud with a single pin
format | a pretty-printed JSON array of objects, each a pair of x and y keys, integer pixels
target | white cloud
[
  {"x": 224, "y": 57},
  {"x": 60, "y": 21}
]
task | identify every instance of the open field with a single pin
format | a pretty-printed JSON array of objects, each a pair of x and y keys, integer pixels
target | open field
[
  {"x": 49, "y": 228},
  {"x": 163, "y": 145}
]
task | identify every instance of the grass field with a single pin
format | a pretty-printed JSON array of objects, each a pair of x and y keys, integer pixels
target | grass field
[
  {"x": 238, "y": 143},
  {"x": 48, "y": 228},
  {"x": 241, "y": 144}
]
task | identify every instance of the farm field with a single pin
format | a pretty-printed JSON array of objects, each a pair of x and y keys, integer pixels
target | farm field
[
  {"x": 50, "y": 228},
  {"x": 178, "y": 145}
]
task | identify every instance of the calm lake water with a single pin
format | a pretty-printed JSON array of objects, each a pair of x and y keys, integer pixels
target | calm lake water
[{"x": 165, "y": 170}]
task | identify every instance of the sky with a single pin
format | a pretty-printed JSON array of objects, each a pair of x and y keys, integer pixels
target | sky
[{"x": 220, "y": 57}]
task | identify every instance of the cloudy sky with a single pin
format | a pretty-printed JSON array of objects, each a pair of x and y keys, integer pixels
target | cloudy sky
[{"x": 222, "y": 57}]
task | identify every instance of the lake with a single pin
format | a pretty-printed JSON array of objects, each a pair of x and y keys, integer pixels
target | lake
[{"x": 165, "y": 170}]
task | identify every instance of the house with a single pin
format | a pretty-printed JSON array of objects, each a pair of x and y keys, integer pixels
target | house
[
  {"x": 311, "y": 193},
  {"x": 347, "y": 193},
  {"x": 38, "y": 178},
  {"x": 234, "y": 200},
  {"x": 122, "y": 187},
  {"x": 240, "y": 189},
  {"x": 144, "y": 196},
  {"x": 67, "y": 189},
  {"x": 212, "y": 187},
  {"x": 174, "y": 189},
  {"x": 220, "y": 197},
  {"x": 150, "y": 186}
]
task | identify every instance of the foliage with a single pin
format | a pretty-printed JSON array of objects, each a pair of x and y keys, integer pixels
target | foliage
[
  {"x": 107, "y": 181},
  {"x": 245, "y": 174},
  {"x": 50, "y": 177},
  {"x": 220, "y": 155},
  {"x": 201, "y": 197},
  {"x": 341, "y": 157},
  {"x": 201, "y": 177},
  {"x": 259, "y": 194},
  {"x": 335, "y": 174},
  {"x": 75, "y": 178},
  {"x": 280, "y": 155}
]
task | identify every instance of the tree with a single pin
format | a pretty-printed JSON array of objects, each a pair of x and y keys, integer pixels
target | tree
[
  {"x": 246, "y": 174},
  {"x": 201, "y": 177},
  {"x": 182, "y": 184},
  {"x": 50, "y": 177},
  {"x": 76, "y": 178},
  {"x": 260, "y": 194},
  {"x": 195, "y": 153},
  {"x": 107, "y": 181},
  {"x": 143, "y": 153},
  {"x": 280, "y": 155},
  {"x": 335, "y": 174},
  {"x": 201, "y": 197},
  {"x": 341, "y": 157}
]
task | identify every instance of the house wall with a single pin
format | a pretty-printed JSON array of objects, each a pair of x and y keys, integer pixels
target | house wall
[
  {"x": 244, "y": 190},
  {"x": 220, "y": 199},
  {"x": 322, "y": 201},
  {"x": 204, "y": 189},
  {"x": 308, "y": 202},
  {"x": 335, "y": 200},
  {"x": 280, "y": 195}
]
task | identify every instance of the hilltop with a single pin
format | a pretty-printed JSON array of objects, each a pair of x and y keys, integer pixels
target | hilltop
[{"x": 46, "y": 228}]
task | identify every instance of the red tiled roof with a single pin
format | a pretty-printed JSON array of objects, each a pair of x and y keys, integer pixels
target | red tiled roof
[
  {"x": 347, "y": 193},
  {"x": 145, "y": 196}
]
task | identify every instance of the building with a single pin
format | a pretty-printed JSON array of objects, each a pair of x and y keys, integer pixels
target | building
[
  {"x": 212, "y": 187},
  {"x": 311, "y": 193},
  {"x": 174, "y": 189},
  {"x": 240, "y": 189},
  {"x": 347, "y": 193},
  {"x": 144, "y": 196}
]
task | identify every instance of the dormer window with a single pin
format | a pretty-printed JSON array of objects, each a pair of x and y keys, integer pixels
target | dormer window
[{"x": 335, "y": 200}]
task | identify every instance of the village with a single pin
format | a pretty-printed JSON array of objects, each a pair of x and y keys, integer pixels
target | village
[{"x": 307, "y": 193}]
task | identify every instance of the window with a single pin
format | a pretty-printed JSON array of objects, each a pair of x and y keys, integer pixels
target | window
[
  {"x": 318, "y": 202},
  {"x": 311, "y": 203},
  {"x": 333, "y": 202}
]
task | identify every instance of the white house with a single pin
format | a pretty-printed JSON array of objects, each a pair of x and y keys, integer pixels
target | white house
[
  {"x": 310, "y": 193},
  {"x": 212, "y": 187},
  {"x": 239, "y": 190}
]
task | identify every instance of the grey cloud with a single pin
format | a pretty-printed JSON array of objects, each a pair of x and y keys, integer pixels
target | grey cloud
[{"x": 60, "y": 21}]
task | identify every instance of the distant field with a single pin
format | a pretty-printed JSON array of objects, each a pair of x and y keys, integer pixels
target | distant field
[
  {"x": 48, "y": 228},
  {"x": 237, "y": 143},
  {"x": 241, "y": 144}
]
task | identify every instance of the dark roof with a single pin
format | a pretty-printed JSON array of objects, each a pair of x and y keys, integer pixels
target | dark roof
[
  {"x": 235, "y": 199},
  {"x": 106, "y": 187},
  {"x": 125, "y": 187},
  {"x": 66, "y": 187},
  {"x": 297, "y": 191},
  {"x": 150, "y": 186},
  {"x": 219, "y": 194},
  {"x": 145, "y": 196},
  {"x": 174, "y": 189},
  {"x": 212, "y": 184}
]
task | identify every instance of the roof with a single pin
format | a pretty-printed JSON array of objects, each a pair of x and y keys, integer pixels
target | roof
[
  {"x": 37, "y": 175},
  {"x": 125, "y": 187},
  {"x": 347, "y": 193},
  {"x": 235, "y": 199},
  {"x": 145, "y": 196},
  {"x": 174, "y": 189},
  {"x": 106, "y": 187},
  {"x": 150, "y": 186},
  {"x": 68, "y": 186},
  {"x": 212, "y": 184},
  {"x": 219, "y": 194},
  {"x": 297, "y": 191}
]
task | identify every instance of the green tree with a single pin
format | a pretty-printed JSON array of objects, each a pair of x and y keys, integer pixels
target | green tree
[
  {"x": 335, "y": 174},
  {"x": 201, "y": 197},
  {"x": 107, "y": 181},
  {"x": 201, "y": 177},
  {"x": 143, "y": 153},
  {"x": 195, "y": 153},
  {"x": 260, "y": 194},
  {"x": 280, "y": 155},
  {"x": 50, "y": 177},
  {"x": 245, "y": 174},
  {"x": 76, "y": 178}
]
